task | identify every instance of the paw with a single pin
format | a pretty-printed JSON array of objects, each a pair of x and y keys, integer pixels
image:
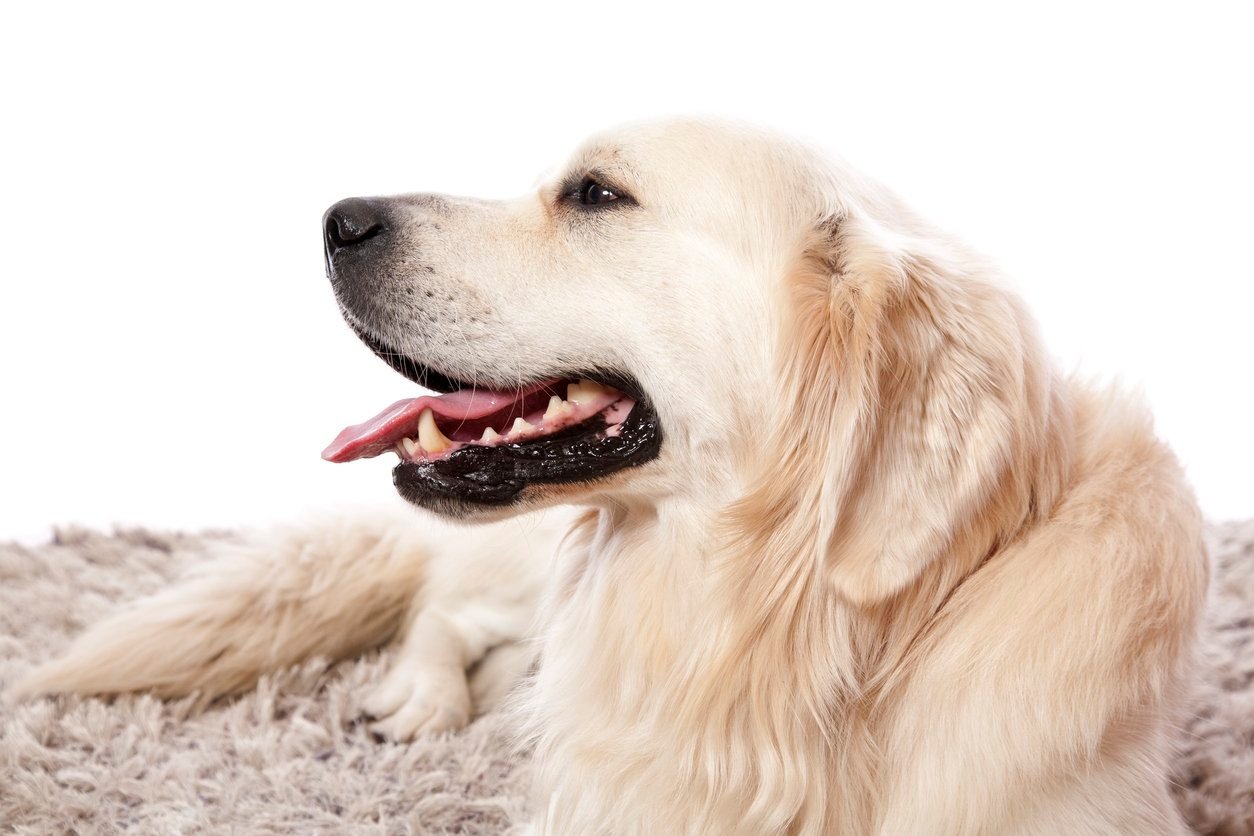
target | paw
[{"x": 418, "y": 700}]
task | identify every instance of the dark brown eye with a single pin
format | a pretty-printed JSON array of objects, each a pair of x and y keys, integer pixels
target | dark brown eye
[{"x": 594, "y": 193}]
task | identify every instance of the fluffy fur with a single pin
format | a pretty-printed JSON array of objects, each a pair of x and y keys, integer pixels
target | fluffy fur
[{"x": 892, "y": 573}]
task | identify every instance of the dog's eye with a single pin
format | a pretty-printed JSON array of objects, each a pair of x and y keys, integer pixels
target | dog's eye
[{"x": 593, "y": 193}]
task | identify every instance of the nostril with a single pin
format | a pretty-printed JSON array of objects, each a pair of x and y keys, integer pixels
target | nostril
[
  {"x": 351, "y": 222},
  {"x": 343, "y": 233}
]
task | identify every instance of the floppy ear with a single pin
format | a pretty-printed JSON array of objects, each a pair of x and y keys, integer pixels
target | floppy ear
[{"x": 916, "y": 408}]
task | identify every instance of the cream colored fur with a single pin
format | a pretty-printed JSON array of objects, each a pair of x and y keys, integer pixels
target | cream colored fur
[
  {"x": 892, "y": 573},
  {"x": 333, "y": 588}
]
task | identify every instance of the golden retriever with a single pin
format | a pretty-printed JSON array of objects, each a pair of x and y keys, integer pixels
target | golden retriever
[{"x": 853, "y": 557}]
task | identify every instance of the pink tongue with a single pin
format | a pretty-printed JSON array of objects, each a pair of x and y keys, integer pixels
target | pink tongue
[{"x": 381, "y": 432}]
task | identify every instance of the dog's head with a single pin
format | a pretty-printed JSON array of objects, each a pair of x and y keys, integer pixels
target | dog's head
[
  {"x": 687, "y": 308},
  {"x": 607, "y": 332}
]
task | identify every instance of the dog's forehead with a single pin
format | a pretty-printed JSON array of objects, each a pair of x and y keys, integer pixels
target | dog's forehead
[
  {"x": 704, "y": 171},
  {"x": 675, "y": 150}
]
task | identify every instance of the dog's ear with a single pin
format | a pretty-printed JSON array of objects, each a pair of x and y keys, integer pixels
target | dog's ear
[{"x": 915, "y": 411}]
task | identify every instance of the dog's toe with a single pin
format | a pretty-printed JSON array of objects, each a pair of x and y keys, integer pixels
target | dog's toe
[
  {"x": 387, "y": 698},
  {"x": 418, "y": 717},
  {"x": 413, "y": 702}
]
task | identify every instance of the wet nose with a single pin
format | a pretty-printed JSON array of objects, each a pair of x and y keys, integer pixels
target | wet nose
[{"x": 349, "y": 223}]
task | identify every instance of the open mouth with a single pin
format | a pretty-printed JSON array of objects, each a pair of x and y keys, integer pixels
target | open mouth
[{"x": 484, "y": 446}]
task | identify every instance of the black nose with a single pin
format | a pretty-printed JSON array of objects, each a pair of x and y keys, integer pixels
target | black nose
[{"x": 350, "y": 222}]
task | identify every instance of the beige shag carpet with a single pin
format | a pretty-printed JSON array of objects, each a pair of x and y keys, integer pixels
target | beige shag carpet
[{"x": 290, "y": 757}]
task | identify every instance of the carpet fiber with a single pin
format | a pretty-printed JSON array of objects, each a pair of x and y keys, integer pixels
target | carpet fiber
[{"x": 290, "y": 757}]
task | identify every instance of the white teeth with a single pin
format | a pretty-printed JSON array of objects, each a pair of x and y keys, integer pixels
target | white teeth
[
  {"x": 585, "y": 391},
  {"x": 557, "y": 408},
  {"x": 411, "y": 446},
  {"x": 490, "y": 436},
  {"x": 429, "y": 436},
  {"x": 520, "y": 426}
]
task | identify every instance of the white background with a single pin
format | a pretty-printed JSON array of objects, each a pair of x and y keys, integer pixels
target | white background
[{"x": 170, "y": 353}]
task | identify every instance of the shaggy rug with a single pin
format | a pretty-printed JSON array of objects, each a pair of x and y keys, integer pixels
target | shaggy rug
[{"x": 291, "y": 758}]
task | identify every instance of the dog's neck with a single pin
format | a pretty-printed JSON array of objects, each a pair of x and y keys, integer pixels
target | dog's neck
[
  {"x": 684, "y": 625},
  {"x": 656, "y": 639}
]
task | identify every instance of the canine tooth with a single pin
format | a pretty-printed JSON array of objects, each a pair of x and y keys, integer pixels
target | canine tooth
[
  {"x": 520, "y": 426},
  {"x": 557, "y": 408},
  {"x": 584, "y": 391},
  {"x": 490, "y": 436},
  {"x": 411, "y": 446},
  {"x": 429, "y": 436}
]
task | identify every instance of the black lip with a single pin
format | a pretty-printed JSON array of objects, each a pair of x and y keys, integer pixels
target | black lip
[
  {"x": 429, "y": 378},
  {"x": 487, "y": 477}
]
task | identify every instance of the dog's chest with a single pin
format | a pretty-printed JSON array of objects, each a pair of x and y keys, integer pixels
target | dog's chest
[{"x": 665, "y": 724}]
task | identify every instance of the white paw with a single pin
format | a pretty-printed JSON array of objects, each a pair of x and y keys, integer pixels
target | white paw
[{"x": 419, "y": 700}]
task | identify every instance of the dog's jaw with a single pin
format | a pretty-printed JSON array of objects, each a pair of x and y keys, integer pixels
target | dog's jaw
[{"x": 473, "y": 452}]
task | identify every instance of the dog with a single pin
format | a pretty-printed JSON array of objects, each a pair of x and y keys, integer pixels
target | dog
[{"x": 847, "y": 554}]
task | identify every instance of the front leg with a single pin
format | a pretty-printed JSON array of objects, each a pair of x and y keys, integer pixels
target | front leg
[{"x": 481, "y": 596}]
